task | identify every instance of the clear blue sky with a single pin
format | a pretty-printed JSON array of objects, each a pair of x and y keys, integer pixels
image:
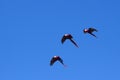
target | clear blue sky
[{"x": 31, "y": 32}]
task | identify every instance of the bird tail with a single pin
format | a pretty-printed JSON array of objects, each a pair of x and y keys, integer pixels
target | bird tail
[
  {"x": 94, "y": 35},
  {"x": 74, "y": 43},
  {"x": 64, "y": 65}
]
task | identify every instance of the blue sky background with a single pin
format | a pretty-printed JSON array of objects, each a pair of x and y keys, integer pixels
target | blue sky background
[{"x": 31, "y": 32}]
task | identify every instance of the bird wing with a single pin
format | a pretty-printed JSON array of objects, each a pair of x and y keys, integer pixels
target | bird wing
[
  {"x": 60, "y": 60},
  {"x": 63, "y": 39},
  {"x": 93, "y": 29},
  {"x": 52, "y": 61},
  {"x": 73, "y": 42}
]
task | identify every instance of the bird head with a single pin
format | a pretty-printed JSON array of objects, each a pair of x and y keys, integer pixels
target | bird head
[
  {"x": 56, "y": 56},
  {"x": 85, "y": 30},
  {"x": 67, "y": 34}
]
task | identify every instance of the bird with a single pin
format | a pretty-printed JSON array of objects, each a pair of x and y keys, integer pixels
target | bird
[
  {"x": 56, "y": 58},
  {"x": 70, "y": 37},
  {"x": 90, "y": 31}
]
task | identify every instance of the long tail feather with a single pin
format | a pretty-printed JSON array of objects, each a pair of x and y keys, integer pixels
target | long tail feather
[
  {"x": 94, "y": 35},
  {"x": 74, "y": 43}
]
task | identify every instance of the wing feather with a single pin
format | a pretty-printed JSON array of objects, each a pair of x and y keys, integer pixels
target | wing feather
[
  {"x": 93, "y": 29},
  {"x": 52, "y": 61},
  {"x": 63, "y": 39},
  {"x": 60, "y": 60}
]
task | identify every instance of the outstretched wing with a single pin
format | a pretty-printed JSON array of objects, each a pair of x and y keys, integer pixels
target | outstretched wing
[
  {"x": 73, "y": 42},
  {"x": 93, "y": 29},
  {"x": 52, "y": 61},
  {"x": 63, "y": 39},
  {"x": 60, "y": 60}
]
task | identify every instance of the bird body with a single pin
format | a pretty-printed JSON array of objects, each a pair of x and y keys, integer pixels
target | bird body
[
  {"x": 70, "y": 37},
  {"x": 90, "y": 31},
  {"x": 56, "y": 58}
]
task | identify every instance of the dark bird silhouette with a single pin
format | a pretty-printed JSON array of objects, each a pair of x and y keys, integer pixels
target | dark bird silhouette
[
  {"x": 90, "y": 31},
  {"x": 56, "y": 58},
  {"x": 68, "y": 36}
]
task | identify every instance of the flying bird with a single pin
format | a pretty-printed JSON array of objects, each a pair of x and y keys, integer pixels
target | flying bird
[
  {"x": 70, "y": 37},
  {"x": 90, "y": 31},
  {"x": 56, "y": 58}
]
